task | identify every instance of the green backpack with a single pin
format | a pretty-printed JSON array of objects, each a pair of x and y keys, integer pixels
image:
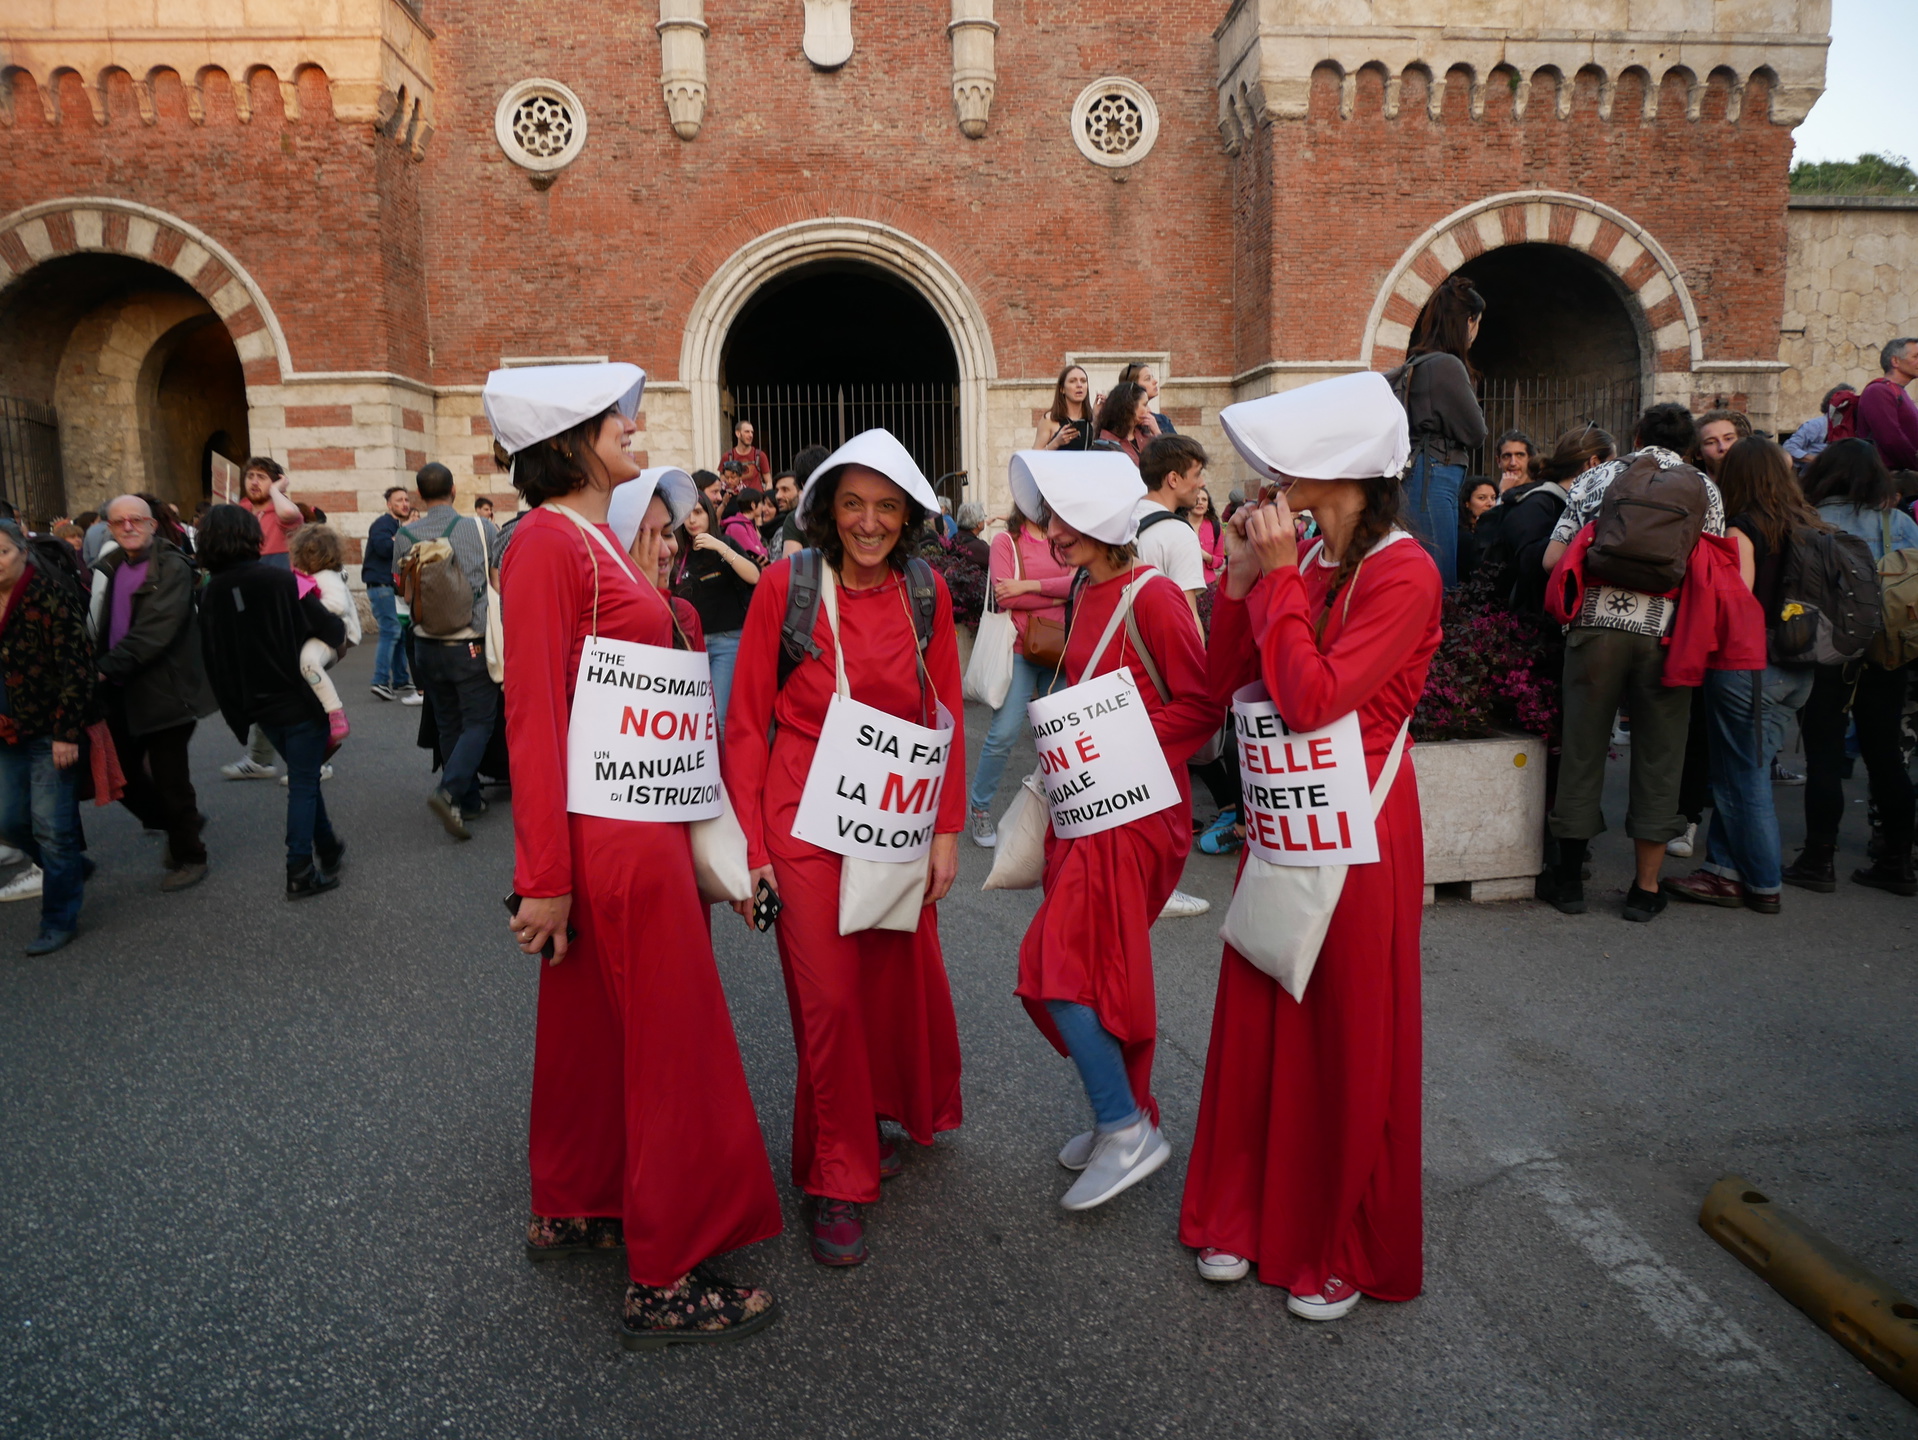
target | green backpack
[{"x": 1897, "y": 643}]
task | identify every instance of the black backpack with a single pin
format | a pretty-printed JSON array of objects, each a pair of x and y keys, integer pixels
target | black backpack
[
  {"x": 1828, "y": 600},
  {"x": 796, "y": 641},
  {"x": 1155, "y": 518},
  {"x": 1497, "y": 551}
]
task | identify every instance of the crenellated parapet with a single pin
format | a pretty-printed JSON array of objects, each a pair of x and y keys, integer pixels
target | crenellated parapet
[
  {"x": 1272, "y": 54},
  {"x": 375, "y": 58}
]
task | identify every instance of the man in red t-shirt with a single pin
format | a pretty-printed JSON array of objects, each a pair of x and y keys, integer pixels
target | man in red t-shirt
[
  {"x": 746, "y": 466},
  {"x": 263, "y": 491}
]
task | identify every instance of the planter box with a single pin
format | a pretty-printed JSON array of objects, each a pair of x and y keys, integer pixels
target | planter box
[
  {"x": 1483, "y": 803},
  {"x": 965, "y": 635}
]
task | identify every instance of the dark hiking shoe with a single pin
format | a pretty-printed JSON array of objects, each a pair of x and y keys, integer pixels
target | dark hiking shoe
[
  {"x": 1891, "y": 871},
  {"x": 838, "y": 1235},
  {"x": 1813, "y": 870},
  {"x": 308, "y": 880},
  {"x": 183, "y": 877},
  {"x": 1701, "y": 887},
  {"x": 1643, "y": 905}
]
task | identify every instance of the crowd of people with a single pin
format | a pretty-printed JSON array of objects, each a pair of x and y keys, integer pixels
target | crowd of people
[{"x": 1701, "y": 585}]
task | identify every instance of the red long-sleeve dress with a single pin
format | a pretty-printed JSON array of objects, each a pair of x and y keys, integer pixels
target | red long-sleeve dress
[
  {"x": 640, "y": 1105},
  {"x": 1306, "y": 1158},
  {"x": 1091, "y": 940},
  {"x": 872, "y": 1012}
]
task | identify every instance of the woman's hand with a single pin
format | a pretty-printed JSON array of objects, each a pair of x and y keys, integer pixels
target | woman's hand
[
  {"x": 744, "y": 908},
  {"x": 66, "y": 754},
  {"x": 943, "y": 867},
  {"x": 1241, "y": 565},
  {"x": 706, "y": 540},
  {"x": 540, "y": 920},
  {"x": 1064, "y": 435},
  {"x": 1272, "y": 535},
  {"x": 645, "y": 553},
  {"x": 1006, "y": 589}
]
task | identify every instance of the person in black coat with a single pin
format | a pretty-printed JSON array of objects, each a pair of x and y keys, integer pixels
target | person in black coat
[{"x": 253, "y": 621}]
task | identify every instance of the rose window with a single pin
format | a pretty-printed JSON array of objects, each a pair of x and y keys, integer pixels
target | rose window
[
  {"x": 540, "y": 124},
  {"x": 1114, "y": 122}
]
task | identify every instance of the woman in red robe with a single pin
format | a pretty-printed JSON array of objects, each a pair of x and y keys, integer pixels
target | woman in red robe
[
  {"x": 871, "y": 1011},
  {"x": 1085, "y": 965},
  {"x": 642, "y": 1128},
  {"x": 1306, "y": 1159}
]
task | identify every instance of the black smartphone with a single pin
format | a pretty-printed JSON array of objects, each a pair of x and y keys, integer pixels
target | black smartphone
[
  {"x": 766, "y": 906},
  {"x": 511, "y": 902},
  {"x": 1065, "y": 427}
]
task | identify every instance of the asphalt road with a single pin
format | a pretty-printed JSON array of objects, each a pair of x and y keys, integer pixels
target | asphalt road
[{"x": 264, "y": 1174}]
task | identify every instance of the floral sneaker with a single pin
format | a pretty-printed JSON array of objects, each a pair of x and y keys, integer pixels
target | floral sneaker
[
  {"x": 695, "y": 1311},
  {"x": 548, "y": 1237}
]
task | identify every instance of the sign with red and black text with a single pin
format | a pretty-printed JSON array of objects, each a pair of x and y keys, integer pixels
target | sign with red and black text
[{"x": 1306, "y": 795}]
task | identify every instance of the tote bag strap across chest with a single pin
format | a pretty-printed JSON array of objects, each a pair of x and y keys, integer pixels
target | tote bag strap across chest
[
  {"x": 829, "y": 601},
  {"x": 625, "y": 562},
  {"x": 1121, "y": 615}
]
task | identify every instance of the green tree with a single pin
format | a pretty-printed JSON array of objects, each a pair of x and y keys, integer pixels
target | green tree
[{"x": 1867, "y": 175}]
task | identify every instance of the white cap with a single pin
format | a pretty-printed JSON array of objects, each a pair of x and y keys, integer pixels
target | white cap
[
  {"x": 1348, "y": 428},
  {"x": 631, "y": 497},
  {"x": 876, "y": 450},
  {"x": 1096, "y": 492},
  {"x": 536, "y": 402}
]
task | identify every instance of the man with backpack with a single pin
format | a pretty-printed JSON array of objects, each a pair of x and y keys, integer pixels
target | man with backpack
[
  {"x": 442, "y": 561},
  {"x": 1886, "y": 415},
  {"x": 1627, "y": 531}
]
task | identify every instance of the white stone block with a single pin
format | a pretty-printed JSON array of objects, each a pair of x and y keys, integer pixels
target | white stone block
[{"x": 1483, "y": 803}]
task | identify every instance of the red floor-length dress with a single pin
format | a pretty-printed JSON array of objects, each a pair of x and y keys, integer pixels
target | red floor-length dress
[
  {"x": 640, "y": 1105},
  {"x": 1306, "y": 1159},
  {"x": 1091, "y": 940},
  {"x": 872, "y": 1012}
]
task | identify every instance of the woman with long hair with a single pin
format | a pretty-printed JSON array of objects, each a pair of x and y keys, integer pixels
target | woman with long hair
[
  {"x": 642, "y": 1130},
  {"x": 1068, "y": 422},
  {"x": 1437, "y": 386},
  {"x": 871, "y": 1010},
  {"x": 1474, "y": 500},
  {"x": 1306, "y": 1157},
  {"x": 1853, "y": 492},
  {"x": 1085, "y": 965},
  {"x": 718, "y": 579},
  {"x": 1747, "y": 711},
  {"x": 1147, "y": 379},
  {"x": 1125, "y": 420},
  {"x": 1211, "y": 531}
]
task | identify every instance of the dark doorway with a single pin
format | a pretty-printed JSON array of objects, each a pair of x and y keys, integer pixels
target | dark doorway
[
  {"x": 1558, "y": 346},
  {"x": 828, "y": 350}
]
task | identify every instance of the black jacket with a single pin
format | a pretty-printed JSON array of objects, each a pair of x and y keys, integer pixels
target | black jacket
[
  {"x": 253, "y": 621},
  {"x": 156, "y": 671}
]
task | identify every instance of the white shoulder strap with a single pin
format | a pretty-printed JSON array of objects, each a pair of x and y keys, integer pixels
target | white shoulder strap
[
  {"x": 1390, "y": 770},
  {"x": 593, "y": 530},
  {"x": 1140, "y": 573}
]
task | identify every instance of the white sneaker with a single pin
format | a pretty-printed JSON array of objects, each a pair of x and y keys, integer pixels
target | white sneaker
[
  {"x": 1120, "y": 1160},
  {"x": 984, "y": 834},
  {"x": 1078, "y": 1150},
  {"x": 1182, "y": 906},
  {"x": 1332, "y": 1303},
  {"x": 24, "y": 886},
  {"x": 245, "y": 769},
  {"x": 11, "y": 856},
  {"x": 1683, "y": 845},
  {"x": 326, "y": 773},
  {"x": 1222, "y": 1266},
  {"x": 416, "y": 698}
]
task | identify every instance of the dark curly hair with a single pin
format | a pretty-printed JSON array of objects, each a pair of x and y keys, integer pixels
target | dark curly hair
[
  {"x": 229, "y": 536},
  {"x": 822, "y": 531},
  {"x": 553, "y": 469}
]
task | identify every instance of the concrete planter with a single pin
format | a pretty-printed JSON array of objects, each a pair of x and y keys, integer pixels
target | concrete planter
[
  {"x": 1483, "y": 803},
  {"x": 965, "y": 635}
]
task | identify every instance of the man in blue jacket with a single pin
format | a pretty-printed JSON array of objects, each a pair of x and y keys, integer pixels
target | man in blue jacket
[{"x": 390, "y": 674}]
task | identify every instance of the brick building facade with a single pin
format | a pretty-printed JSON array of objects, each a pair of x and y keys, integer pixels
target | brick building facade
[{"x": 313, "y": 237}]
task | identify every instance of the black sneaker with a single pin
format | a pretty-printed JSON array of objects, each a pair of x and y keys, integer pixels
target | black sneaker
[
  {"x": 447, "y": 808},
  {"x": 386, "y": 692},
  {"x": 1642, "y": 905},
  {"x": 328, "y": 857},
  {"x": 308, "y": 881}
]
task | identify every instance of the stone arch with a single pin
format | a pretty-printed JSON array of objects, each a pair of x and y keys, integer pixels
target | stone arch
[
  {"x": 804, "y": 242},
  {"x": 139, "y": 232},
  {"x": 1645, "y": 273}
]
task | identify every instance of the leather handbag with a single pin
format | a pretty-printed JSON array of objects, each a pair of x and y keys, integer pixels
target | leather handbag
[{"x": 1045, "y": 642}]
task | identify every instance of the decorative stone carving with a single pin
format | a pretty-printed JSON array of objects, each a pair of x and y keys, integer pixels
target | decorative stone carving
[
  {"x": 1114, "y": 122},
  {"x": 828, "y": 40},
  {"x": 541, "y": 125},
  {"x": 973, "y": 77},
  {"x": 682, "y": 63}
]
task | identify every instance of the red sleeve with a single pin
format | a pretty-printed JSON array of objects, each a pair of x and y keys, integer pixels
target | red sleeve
[
  {"x": 1232, "y": 652},
  {"x": 1172, "y": 635},
  {"x": 1387, "y": 623},
  {"x": 540, "y": 601},
  {"x": 749, "y": 710},
  {"x": 942, "y": 664}
]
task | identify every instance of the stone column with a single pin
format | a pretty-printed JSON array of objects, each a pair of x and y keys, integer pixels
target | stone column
[
  {"x": 682, "y": 63},
  {"x": 973, "y": 77}
]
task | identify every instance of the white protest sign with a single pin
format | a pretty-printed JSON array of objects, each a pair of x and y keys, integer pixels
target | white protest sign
[
  {"x": 1307, "y": 798},
  {"x": 1099, "y": 758},
  {"x": 873, "y": 790},
  {"x": 643, "y": 743}
]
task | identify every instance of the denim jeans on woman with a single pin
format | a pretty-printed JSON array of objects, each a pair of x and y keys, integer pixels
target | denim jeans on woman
[
  {"x": 721, "y": 650},
  {"x": 1029, "y": 681},
  {"x": 1742, "y": 844},
  {"x": 40, "y": 815},
  {"x": 303, "y": 746},
  {"x": 1431, "y": 499}
]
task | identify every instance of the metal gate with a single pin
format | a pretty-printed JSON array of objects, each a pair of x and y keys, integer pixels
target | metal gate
[
  {"x": 30, "y": 475},
  {"x": 1545, "y": 409},
  {"x": 788, "y": 418}
]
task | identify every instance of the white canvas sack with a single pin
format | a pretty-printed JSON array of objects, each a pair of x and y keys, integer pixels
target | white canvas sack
[
  {"x": 989, "y": 675},
  {"x": 495, "y": 625},
  {"x": 1019, "y": 859},
  {"x": 1280, "y": 913}
]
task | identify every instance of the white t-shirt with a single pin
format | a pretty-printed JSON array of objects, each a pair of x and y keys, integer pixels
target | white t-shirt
[{"x": 1171, "y": 547}]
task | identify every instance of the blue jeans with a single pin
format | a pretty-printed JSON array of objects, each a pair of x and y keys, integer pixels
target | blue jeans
[
  {"x": 389, "y": 659},
  {"x": 1029, "y": 681},
  {"x": 1787, "y": 688},
  {"x": 40, "y": 815},
  {"x": 465, "y": 707},
  {"x": 1743, "y": 842},
  {"x": 1101, "y": 1063},
  {"x": 1431, "y": 499},
  {"x": 302, "y": 747},
  {"x": 721, "y": 650}
]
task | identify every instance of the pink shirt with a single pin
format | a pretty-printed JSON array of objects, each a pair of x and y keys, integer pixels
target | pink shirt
[{"x": 1035, "y": 563}]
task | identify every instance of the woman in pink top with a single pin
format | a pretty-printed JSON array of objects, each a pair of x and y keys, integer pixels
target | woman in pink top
[
  {"x": 1026, "y": 581},
  {"x": 1211, "y": 534}
]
